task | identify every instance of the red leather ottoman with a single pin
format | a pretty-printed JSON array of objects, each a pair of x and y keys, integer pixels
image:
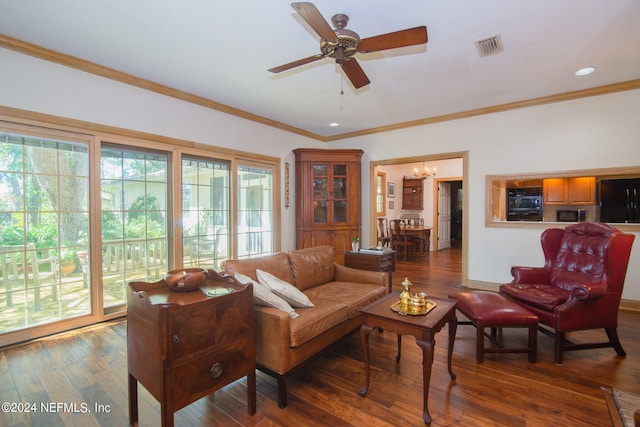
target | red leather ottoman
[{"x": 486, "y": 309}]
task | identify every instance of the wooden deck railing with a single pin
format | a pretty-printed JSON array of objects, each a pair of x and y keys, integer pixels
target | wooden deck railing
[{"x": 136, "y": 254}]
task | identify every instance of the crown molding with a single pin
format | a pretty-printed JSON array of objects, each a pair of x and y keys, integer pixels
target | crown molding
[{"x": 99, "y": 70}]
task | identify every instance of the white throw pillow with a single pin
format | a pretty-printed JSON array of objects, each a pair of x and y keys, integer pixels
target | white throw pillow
[
  {"x": 284, "y": 290},
  {"x": 263, "y": 296}
]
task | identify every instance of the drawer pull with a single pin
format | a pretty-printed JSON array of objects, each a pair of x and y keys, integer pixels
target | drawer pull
[
  {"x": 216, "y": 370},
  {"x": 175, "y": 339}
]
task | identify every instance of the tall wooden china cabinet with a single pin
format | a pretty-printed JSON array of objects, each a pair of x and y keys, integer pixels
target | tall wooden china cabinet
[{"x": 327, "y": 198}]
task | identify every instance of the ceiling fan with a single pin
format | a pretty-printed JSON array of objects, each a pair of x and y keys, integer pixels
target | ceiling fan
[{"x": 341, "y": 43}]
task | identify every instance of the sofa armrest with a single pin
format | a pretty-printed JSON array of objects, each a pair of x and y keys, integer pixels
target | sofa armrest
[
  {"x": 530, "y": 274},
  {"x": 272, "y": 338},
  {"x": 348, "y": 274}
]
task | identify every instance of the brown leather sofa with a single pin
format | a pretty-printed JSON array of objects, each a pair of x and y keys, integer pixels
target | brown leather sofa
[{"x": 337, "y": 292}]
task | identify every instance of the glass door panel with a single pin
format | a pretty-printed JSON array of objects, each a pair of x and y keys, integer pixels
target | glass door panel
[
  {"x": 320, "y": 194},
  {"x": 340, "y": 188},
  {"x": 134, "y": 188},
  {"x": 320, "y": 170},
  {"x": 205, "y": 212},
  {"x": 320, "y": 209},
  {"x": 339, "y": 193},
  {"x": 339, "y": 211},
  {"x": 340, "y": 170},
  {"x": 44, "y": 225},
  {"x": 255, "y": 212},
  {"x": 320, "y": 188}
]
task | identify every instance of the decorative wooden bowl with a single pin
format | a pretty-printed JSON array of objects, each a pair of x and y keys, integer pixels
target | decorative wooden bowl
[{"x": 185, "y": 279}]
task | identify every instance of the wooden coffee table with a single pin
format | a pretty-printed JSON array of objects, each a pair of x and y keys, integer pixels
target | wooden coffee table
[{"x": 424, "y": 328}]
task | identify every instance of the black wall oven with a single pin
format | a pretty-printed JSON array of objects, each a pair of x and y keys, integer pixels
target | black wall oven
[{"x": 524, "y": 204}]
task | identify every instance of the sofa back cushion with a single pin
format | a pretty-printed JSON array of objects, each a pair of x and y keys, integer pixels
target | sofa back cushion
[
  {"x": 312, "y": 266},
  {"x": 277, "y": 264}
]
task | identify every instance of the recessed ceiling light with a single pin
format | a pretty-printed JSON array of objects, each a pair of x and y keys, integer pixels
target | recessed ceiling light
[
  {"x": 585, "y": 71},
  {"x": 334, "y": 124}
]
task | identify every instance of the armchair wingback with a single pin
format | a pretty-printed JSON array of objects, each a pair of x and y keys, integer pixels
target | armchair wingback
[{"x": 580, "y": 285}]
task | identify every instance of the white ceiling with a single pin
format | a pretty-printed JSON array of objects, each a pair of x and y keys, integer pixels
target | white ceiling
[{"x": 221, "y": 50}]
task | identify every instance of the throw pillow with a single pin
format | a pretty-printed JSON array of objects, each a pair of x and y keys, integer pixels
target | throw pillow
[
  {"x": 284, "y": 290},
  {"x": 263, "y": 296}
]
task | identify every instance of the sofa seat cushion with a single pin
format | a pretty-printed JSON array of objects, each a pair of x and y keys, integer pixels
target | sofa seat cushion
[
  {"x": 544, "y": 296},
  {"x": 312, "y": 322},
  {"x": 354, "y": 295}
]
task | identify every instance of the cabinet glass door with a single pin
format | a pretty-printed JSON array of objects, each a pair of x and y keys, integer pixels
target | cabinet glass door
[
  {"x": 320, "y": 193},
  {"x": 339, "y": 193}
]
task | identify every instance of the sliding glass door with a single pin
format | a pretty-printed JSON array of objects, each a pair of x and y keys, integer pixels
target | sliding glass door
[
  {"x": 205, "y": 212},
  {"x": 82, "y": 216},
  {"x": 44, "y": 230},
  {"x": 133, "y": 194},
  {"x": 255, "y": 211}
]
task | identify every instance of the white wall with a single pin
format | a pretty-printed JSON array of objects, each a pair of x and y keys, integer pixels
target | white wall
[
  {"x": 581, "y": 134},
  {"x": 595, "y": 132},
  {"x": 36, "y": 85}
]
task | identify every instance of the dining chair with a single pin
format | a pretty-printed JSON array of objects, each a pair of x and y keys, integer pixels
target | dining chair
[
  {"x": 419, "y": 222},
  {"x": 383, "y": 232},
  {"x": 399, "y": 238}
]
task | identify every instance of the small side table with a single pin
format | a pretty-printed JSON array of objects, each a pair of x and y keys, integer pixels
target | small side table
[
  {"x": 184, "y": 346},
  {"x": 423, "y": 328},
  {"x": 385, "y": 262}
]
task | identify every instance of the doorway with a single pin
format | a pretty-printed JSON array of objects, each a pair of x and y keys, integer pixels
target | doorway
[
  {"x": 449, "y": 212},
  {"x": 458, "y": 200},
  {"x": 456, "y": 211}
]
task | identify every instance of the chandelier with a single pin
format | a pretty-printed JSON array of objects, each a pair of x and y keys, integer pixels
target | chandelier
[{"x": 425, "y": 173}]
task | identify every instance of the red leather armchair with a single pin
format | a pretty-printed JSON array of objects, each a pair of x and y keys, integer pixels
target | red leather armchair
[{"x": 580, "y": 285}]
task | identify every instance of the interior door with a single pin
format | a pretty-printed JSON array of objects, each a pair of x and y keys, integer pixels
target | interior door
[{"x": 444, "y": 215}]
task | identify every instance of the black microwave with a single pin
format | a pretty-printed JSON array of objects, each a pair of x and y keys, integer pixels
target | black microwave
[{"x": 573, "y": 215}]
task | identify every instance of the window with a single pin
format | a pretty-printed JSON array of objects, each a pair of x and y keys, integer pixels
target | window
[
  {"x": 255, "y": 212},
  {"x": 44, "y": 225},
  {"x": 205, "y": 212},
  {"x": 381, "y": 197}
]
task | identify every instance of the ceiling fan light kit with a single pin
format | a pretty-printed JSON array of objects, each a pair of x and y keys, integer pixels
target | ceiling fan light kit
[{"x": 342, "y": 44}]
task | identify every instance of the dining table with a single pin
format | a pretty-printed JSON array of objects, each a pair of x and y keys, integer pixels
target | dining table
[{"x": 422, "y": 232}]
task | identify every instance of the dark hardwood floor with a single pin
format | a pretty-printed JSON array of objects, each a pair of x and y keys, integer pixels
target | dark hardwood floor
[{"x": 71, "y": 373}]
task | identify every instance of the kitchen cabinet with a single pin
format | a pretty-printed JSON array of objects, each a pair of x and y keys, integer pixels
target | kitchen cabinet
[
  {"x": 328, "y": 198},
  {"x": 413, "y": 194},
  {"x": 569, "y": 191},
  {"x": 182, "y": 346}
]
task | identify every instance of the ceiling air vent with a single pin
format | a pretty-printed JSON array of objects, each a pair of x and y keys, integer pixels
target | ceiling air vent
[{"x": 489, "y": 46}]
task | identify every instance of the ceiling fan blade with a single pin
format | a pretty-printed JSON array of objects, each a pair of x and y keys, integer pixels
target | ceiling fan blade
[
  {"x": 294, "y": 64},
  {"x": 402, "y": 38},
  {"x": 355, "y": 73},
  {"x": 314, "y": 18}
]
